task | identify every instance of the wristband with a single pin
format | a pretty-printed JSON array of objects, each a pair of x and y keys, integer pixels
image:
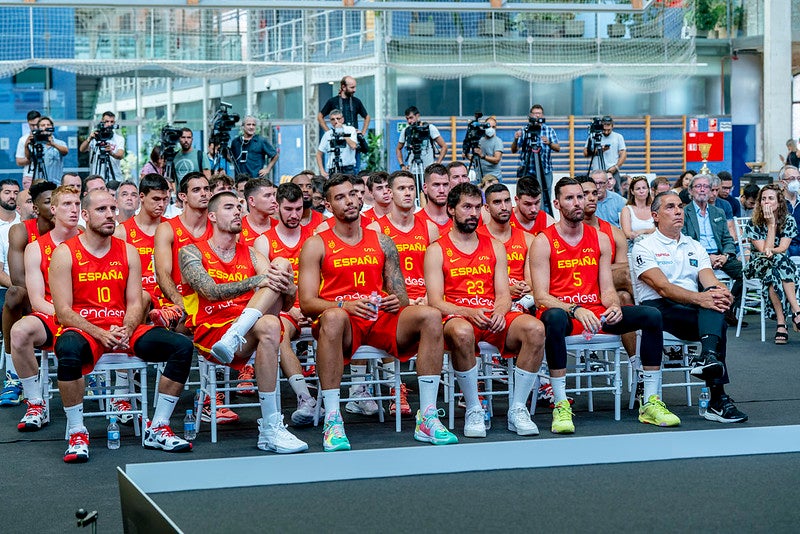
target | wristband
[
  {"x": 340, "y": 303},
  {"x": 573, "y": 309}
]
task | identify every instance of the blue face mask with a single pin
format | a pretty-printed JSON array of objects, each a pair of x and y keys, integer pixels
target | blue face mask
[{"x": 490, "y": 132}]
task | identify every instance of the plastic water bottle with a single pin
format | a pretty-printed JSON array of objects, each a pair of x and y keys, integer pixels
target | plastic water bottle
[
  {"x": 702, "y": 403},
  {"x": 189, "y": 426},
  {"x": 113, "y": 433},
  {"x": 487, "y": 415},
  {"x": 375, "y": 302}
]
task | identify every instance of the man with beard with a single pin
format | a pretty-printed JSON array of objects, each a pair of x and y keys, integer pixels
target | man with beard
[
  {"x": 38, "y": 329},
  {"x": 341, "y": 267},
  {"x": 260, "y": 196},
  {"x": 127, "y": 201},
  {"x": 9, "y": 191},
  {"x": 528, "y": 213},
  {"x": 95, "y": 280},
  {"x": 467, "y": 280},
  {"x": 351, "y": 108},
  {"x": 457, "y": 171},
  {"x": 574, "y": 288},
  {"x": 17, "y": 303},
  {"x": 436, "y": 186},
  {"x": 237, "y": 290},
  {"x": 284, "y": 240},
  {"x": 310, "y": 217},
  {"x": 189, "y": 159}
]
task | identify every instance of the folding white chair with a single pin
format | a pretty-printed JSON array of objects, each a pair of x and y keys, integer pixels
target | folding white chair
[
  {"x": 752, "y": 298},
  {"x": 210, "y": 385},
  {"x": 590, "y": 369}
]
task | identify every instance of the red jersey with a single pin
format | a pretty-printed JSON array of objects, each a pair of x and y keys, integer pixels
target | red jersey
[
  {"x": 351, "y": 272},
  {"x": 279, "y": 249},
  {"x": 316, "y": 219},
  {"x": 32, "y": 229},
  {"x": 575, "y": 270},
  {"x": 248, "y": 235},
  {"x": 98, "y": 284},
  {"x": 201, "y": 311},
  {"x": 443, "y": 228},
  {"x": 539, "y": 223},
  {"x": 516, "y": 253},
  {"x": 46, "y": 248},
  {"x": 145, "y": 244},
  {"x": 182, "y": 237},
  {"x": 411, "y": 247},
  {"x": 469, "y": 278},
  {"x": 605, "y": 227}
]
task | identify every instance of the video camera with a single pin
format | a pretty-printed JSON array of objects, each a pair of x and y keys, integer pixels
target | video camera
[
  {"x": 595, "y": 130},
  {"x": 337, "y": 140},
  {"x": 416, "y": 134},
  {"x": 534, "y": 126},
  {"x": 103, "y": 133},
  {"x": 42, "y": 135},
  {"x": 170, "y": 137},
  {"x": 222, "y": 123},
  {"x": 475, "y": 130}
]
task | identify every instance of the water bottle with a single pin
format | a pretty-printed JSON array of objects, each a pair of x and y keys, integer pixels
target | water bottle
[
  {"x": 588, "y": 334},
  {"x": 113, "y": 433},
  {"x": 487, "y": 415},
  {"x": 703, "y": 402},
  {"x": 189, "y": 426},
  {"x": 375, "y": 302}
]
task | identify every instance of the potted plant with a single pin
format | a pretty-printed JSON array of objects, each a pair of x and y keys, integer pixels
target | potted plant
[
  {"x": 572, "y": 26},
  {"x": 423, "y": 27},
  {"x": 738, "y": 20},
  {"x": 543, "y": 24},
  {"x": 707, "y": 14},
  {"x": 617, "y": 29}
]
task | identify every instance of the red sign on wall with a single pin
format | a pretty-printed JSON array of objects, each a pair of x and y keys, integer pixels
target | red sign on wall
[{"x": 693, "y": 141}]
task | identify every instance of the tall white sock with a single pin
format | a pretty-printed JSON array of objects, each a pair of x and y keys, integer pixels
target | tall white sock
[
  {"x": 269, "y": 405},
  {"x": 121, "y": 382},
  {"x": 559, "y": 385},
  {"x": 652, "y": 380},
  {"x": 10, "y": 369},
  {"x": 245, "y": 322},
  {"x": 164, "y": 408},
  {"x": 468, "y": 382},
  {"x": 32, "y": 389},
  {"x": 330, "y": 399},
  {"x": 299, "y": 385},
  {"x": 74, "y": 418},
  {"x": 523, "y": 384},
  {"x": 428, "y": 391},
  {"x": 358, "y": 370}
]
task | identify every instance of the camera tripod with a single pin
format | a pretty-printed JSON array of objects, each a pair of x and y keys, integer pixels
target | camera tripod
[
  {"x": 102, "y": 162},
  {"x": 475, "y": 165},
  {"x": 597, "y": 153},
  {"x": 38, "y": 170},
  {"x": 417, "y": 168},
  {"x": 533, "y": 159}
]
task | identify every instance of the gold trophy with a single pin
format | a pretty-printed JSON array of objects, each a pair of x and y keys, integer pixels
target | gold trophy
[{"x": 704, "y": 148}]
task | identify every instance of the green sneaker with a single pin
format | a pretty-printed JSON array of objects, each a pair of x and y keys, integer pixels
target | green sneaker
[
  {"x": 431, "y": 430},
  {"x": 655, "y": 412},
  {"x": 562, "y": 419},
  {"x": 334, "y": 438}
]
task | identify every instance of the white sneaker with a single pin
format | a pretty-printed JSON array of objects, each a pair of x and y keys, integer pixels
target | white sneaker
[
  {"x": 365, "y": 407},
  {"x": 519, "y": 421},
  {"x": 273, "y": 436},
  {"x": 123, "y": 409},
  {"x": 474, "y": 426},
  {"x": 35, "y": 417},
  {"x": 225, "y": 349},
  {"x": 306, "y": 409}
]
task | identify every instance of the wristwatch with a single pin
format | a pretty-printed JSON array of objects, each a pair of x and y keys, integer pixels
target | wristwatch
[{"x": 572, "y": 310}]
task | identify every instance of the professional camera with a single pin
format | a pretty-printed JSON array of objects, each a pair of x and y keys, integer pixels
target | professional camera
[
  {"x": 222, "y": 123},
  {"x": 475, "y": 130},
  {"x": 595, "y": 133},
  {"x": 170, "y": 137},
  {"x": 104, "y": 133},
  {"x": 338, "y": 139},
  {"x": 42, "y": 135},
  {"x": 534, "y": 125}
]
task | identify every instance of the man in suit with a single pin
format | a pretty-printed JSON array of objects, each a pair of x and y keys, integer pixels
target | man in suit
[{"x": 706, "y": 223}]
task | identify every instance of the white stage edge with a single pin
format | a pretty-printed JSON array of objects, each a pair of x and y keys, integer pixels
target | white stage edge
[{"x": 272, "y": 469}]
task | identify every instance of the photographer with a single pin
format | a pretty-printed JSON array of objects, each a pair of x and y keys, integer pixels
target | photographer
[
  {"x": 48, "y": 152},
  {"x": 605, "y": 146},
  {"x": 489, "y": 151},
  {"x": 27, "y": 173},
  {"x": 253, "y": 155},
  {"x": 420, "y": 138},
  {"x": 536, "y": 135},
  {"x": 188, "y": 159},
  {"x": 351, "y": 108},
  {"x": 339, "y": 143},
  {"x": 105, "y": 138}
]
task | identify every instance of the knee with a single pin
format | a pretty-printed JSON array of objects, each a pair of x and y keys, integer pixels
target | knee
[
  {"x": 21, "y": 336},
  {"x": 555, "y": 319},
  {"x": 15, "y": 296},
  {"x": 70, "y": 350},
  {"x": 333, "y": 321},
  {"x": 625, "y": 298},
  {"x": 282, "y": 264},
  {"x": 430, "y": 319},
  {"x": 534, "y": 331},
  {"x": 460, "y": 333},
  {"x": 268, "y": 329}
]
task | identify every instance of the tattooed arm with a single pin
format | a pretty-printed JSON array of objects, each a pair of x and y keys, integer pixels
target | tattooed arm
[
  {"x": 195, "y": 275},
  {"x": 393, "y": 281}
]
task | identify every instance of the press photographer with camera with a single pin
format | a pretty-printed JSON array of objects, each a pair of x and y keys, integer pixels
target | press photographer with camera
[
  {"x": 605, "y": 148},
  {"x": 252, "y": 154},
  {"x": 420, "y": 138},
  {"x": 32, "y": 117},
  {"x": 536, "y": 137},
  {"x": 188, "y": 159},
  {"x": 107, "y": 148},
  {"x": 339, "y": 143},
  {"x": 45, "y": 153},
  {"x": 488, "y": 152},
  {"x": 351, "y": 108}
]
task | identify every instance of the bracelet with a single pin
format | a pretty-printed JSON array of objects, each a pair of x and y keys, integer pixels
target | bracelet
[{"x": 340, "y": 303}]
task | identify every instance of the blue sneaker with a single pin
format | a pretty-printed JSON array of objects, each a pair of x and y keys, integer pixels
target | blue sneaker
[{"x": 12, "y": 391}]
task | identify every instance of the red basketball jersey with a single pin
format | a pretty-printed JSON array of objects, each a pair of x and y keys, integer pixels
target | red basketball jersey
[
  {"x": 144, "y": 244},
  {"x": 605, "y": 227},
  {"x": 32, "y": 229},
  {"x": 351, "y": 272},
  {"x": 575, "y": 270},
  {"x": 182, "y": 237},
  {"x": 279, "y": 249},
  {"x": 469, "y": 278},
  {"x": 98, "y": 284},
  {"x": 248, "y": 235},
  {"x": 201, "y": 311},
  {"x": 316, "y": 219},
  {"x": 443, "y": 228},
  {"x": 411, "y": 247},
  {"x": 516, "y": 253},
  {"x": 46, "y": 248},
  {"x": 539, "y": 223}
]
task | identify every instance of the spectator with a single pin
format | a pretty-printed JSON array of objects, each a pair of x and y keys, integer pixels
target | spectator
[
  {"x": 790, "y": 181},
  {"x": 749, "y": 194},
  {"x": 114, "y": 146},
  {"x": 189, "y": 159},
  {"x": 253, "y": 154},
  {"x": 682, "y": 185},
  {"x": 609, "y": 203},
  {"x": 27, "y": 173},
  {"x": 636, "y": 220},
  {"x": 155, "y": 165},
  {"x": 793, "y": 157},
  {"x": 489, "y": 151},
  {"x": 659, "y": 185},
  {"x": 725, "y": 188},
  {"x": 611, "y": 146},
  {"x": 53, "y": 152}
]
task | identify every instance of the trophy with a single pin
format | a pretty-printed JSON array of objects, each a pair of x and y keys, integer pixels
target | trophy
[{"x": 704, "y": 148}]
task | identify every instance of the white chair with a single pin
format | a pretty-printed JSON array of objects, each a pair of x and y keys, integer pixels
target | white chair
[
  {"x": 210, "y": 385},
  {"x": 590, "y": 369},
  {"x": 752, "y": 298},
  {"x": 372, "y": 379}
]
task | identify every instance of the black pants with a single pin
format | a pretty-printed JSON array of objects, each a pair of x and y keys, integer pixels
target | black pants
[
  {"x": 691, "y": 323},
  {"x": 557, "y": 325},
  {"x": 733, "y": 268}
]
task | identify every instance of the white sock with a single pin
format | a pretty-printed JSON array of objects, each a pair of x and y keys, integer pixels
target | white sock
[
  {"x": 523, "y": 384},
  {"x": 269, "y": 405},
  {"x": 559, "y": 385},
  {"x": 121, "y": 382},
  {"x": 330, "y": 399},
  {"x": 468, "y": 382},
  {"x": 10, "y": 369},
  {"x": 299, "y": 386},
  {"x": 652, "y": 380},
  {"x": 245, "y": 322},
  {"x": 635, "y": 363},
  {"x": 358, "y": 370},
  {"x": 164, "y": 408},
  {"x": 74, "y": 418},
  {"x": 32, "y": 389},
  {"x": 428, "y": 391},
  {"x": 387, "y": 371}
]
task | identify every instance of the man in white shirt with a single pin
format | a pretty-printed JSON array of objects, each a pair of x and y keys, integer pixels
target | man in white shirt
[
  {"x": 342, "y": 138},
  {"x": 115, "y": 147},
  {"x": 611, "y": 147},
  {"x": 424, "y": 142}
]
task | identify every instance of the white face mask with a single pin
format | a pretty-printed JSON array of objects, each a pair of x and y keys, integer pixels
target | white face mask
[
  {"x": 490, "y": 132},
  {"x": 793, "y": 186}
]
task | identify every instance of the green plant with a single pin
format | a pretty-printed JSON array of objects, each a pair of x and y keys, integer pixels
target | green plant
[
  {"x": 623, "y": 18},
  {"x": 708, "y": 14},
  {"x": 375, "y": 156},
  {"x": 738, "y": 16}
]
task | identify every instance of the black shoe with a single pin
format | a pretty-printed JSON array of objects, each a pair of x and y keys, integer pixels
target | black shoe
[
  {"x": 706, "y": 366},
  {"x": 724, "y": 411}
]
